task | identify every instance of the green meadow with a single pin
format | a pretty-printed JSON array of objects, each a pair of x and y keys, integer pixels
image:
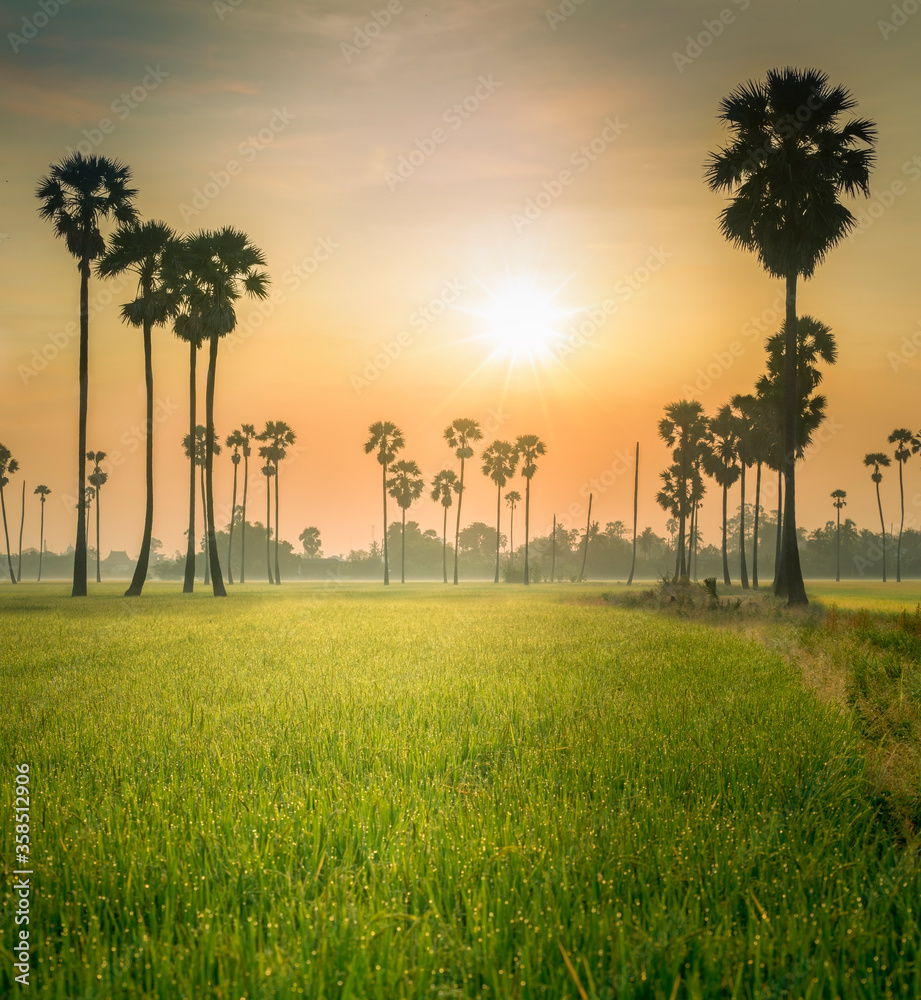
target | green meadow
[{"x": 437, "y": 792}]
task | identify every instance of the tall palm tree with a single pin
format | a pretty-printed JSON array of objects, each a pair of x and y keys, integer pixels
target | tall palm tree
[
  {"x": 197, "y": 453},
  {"x": 150, "y": 250},
  {"x": 499, "y": 463},
  {"x": 902, "y": 439},
  {"x": 236, "y": 441},
  {"x": 444, "y": 486},
  {"x": 721, "y": 463},
  {"x": 224, "y": 265},
  {"x": 838, "y": 497},
  {"x": 268, "y": 470},
  {"x": 8, "y": 466},
  {"x": 528, "y": 448},
  {"x": 682, "y": 428},
  {"x": 98, "y": 479},
  {"x": 747, "y": 453},
  {"x": 875, "y": 461},
  {"x": 405, "y": 486},
  {"x": 247, "y": 432},
  {"x": 385, "y": 441},
  {"x": 22, "y": 525},
  {"x": 512, "y": 498},
  {"x": 281, "y": 437},
  {"x": 757, "y": 446},
  {"x": 787, "y": 164},
  {"x": 460, "y": 434},
  {"x": 76, "y": 195},
  {"x": 42, "y": 492}
]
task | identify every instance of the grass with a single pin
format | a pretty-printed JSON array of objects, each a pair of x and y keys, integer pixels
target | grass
[{"x": 427, "y": 792}]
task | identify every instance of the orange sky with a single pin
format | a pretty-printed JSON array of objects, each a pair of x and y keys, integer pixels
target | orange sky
[{"x": 285, "y": 123}]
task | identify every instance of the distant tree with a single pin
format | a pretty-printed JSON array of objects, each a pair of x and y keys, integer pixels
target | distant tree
[
  {"x": 235, "y": 440},
  {"x": 75, "y": 196},
  {"x": 902, "y": 439},
  {"x": 98, "y": 479},
  {"x": 529, "y": 448},
  {"x": 268, "y": 470},
  {"x": 721, "y": 463},
  {"x": 8, "y": 467},
  {"x": 479, "y": 539},
  {"x": 499, "y": 463},
  {"x": 247, "y": 432},
  {"x": 682, "y": 428},
  {"x": 787, "y": 165},
  {"x": 280, "y": 438},
  {"x": 197, "y": 452},
  {"x": 310, "y": 539},
  {"x": 460, "y": 434},
  {"x": 42, "y": 492},
  {"x": 512, "y": 498},
  {"x": 875, "y": 461},
  {"x": 405, "y": 486},
  {"x": 385, "y": 441},
  {"x": 444, "y": 486},
  {"x": 839, "y": 502},
  {"x": 648, "y": 542}
]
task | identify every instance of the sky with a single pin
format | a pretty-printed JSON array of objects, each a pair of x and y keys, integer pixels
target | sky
[{"x": 429, "y": 181}]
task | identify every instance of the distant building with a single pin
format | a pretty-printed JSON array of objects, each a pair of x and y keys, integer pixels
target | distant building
[{"x": 117, "y": 564}]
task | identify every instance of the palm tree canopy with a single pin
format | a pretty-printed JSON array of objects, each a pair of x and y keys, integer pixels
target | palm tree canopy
[
  {"x": 838, "y": 496},
  {"x": 529, "y": 447},
  {"x": 444, "y": 486},
  {"x": 407, "y": 483},
  {"x": 904, "y": 439},
  {"x": 499, "y": 462},
  {"x": 201, "y": 434},
  {"x": 281, "y": 437},
  {"x": 512, "y": 497},
  {"x": 386, "y": 439},
  {"x": 78, "y": 192},
  {"x": 787, "y": 163},
  {"x": 43, "y": 491},
  {"x": 459, "y": 433},
  {"x": 720, "y": 457}
]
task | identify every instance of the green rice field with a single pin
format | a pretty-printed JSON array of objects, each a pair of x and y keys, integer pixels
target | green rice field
[{"x": 428, "y": 792}]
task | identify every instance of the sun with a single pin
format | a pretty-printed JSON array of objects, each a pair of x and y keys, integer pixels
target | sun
[{"x": 521, "y": 321}]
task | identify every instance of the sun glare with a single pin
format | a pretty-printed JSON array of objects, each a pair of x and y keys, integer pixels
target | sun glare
[{"x": 522, "y": 321}]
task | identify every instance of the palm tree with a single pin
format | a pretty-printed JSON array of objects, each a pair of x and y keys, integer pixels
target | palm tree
[
  {"x": 310, "y": 539},
  {"x": 647, "y": 541},
  {"x": 75, "y": 196},
  {"x": 787, "y": 165},
  {"x": 386, "y": 440},
  {"x": 406, "y": 486},
  {"x": 512, "y": 498},
  {"x": 247, "y": 432},
  {"x": 444, "y": 486},
  {"x": 224, "y": 266},
  {"x": 197, "y": 455},
  {"x": 281, "y": 437},
  {"x": 8, "y": 466},
  {"x": 22, "y": 525},
  {"x": 721, "y": 463},
  {"x": 877, "y": 460},
  {"x": 902, "y": 439},
  {"x": 529, "y": 448},
  {"x": 236, "y": 441},
  {"x": 89, "y": 495},
  {"x": 98, "y": 479},
  {"x": 151, "y": 250},
  {"x": 459, "y": 434},
  {"x": 757, "y": 446},
  {"x": 838, "y": 497},
  {"x": 42, "y": 492},
  {"x": 268, "y": 470},
  {"x": 682, "y": 428},
  {"x": 499, "y": 462}
]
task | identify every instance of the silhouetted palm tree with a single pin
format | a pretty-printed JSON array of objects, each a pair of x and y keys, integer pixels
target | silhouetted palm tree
[
  {"x": 98, "y": 479},
  {"x": 310, "y": 539},
  {"x": 385, "y": 441},
  {"x": 75, "y": 196},
  {"x": 236, "y": 441},
  {"x": 22, "y": 525},
  {"x": 839, "y": 502},
  {"x": 42, "y": 492},
  {"x": 787, "y": 165},
  {"x": 89, "y": 495},
  {"x": 405, "y": 486},
  {"x": 721, "y": 463},
  {"x": 682, "y": 428},
  {"x": 281, "y": 437},
  {"x": 902, "y": 439},
  {"x": 444, "y": 486},
  {"x": 757, "y": 445},
  {"x": 528, "y": 448},
  {"x": 151, "y": 251},
  {"x": 499, "y": 462},
  {"x": 268, "y": 470},
  {"x": 876, "y": 460},
  {"x": 8, "y": 467},
  {"x": 512, "y": 498},
  {"x": 224, "y": 266},
  {"x": 197, "y": 454},
  {"x": 460, "y": 434}
]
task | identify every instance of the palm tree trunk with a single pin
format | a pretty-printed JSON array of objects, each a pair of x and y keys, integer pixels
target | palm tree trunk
[
  {"x": 233, "y": 511},
  {"x": 898, "y": 555},
  {"x": 692, "y": 540},
  {"x": 726, "y": 580},
  {"x": 755, "y": 529},
  {"x": 636, "y": 491},
  {"x": 188, "y": 584},
  {"x": 681, "y": 568},
  {"x": 140, "y": 570},
  {"x": 744, "y": 567},
  {"x": 403, "y": 549},
  {"x": 790, "y": 574},
  {"x": 41, "y": 541},
  {"x": 444, "y": 547},
  {"x": 498, "y": 525},
  {"x": 460, "y": 498},
  {"x": 527, "y": 530},
  {"x": 22, "y": 524},
  {"x": 386, "y": 553},
  {"x": 9, "y": 557},
  {"x": 588, "y": 528},
  {"x": 268, "y": 528},
  {"x": 98, "y": 546},
  {"x": 838, "y": 550},
  {"x": 511, "y": 538},
  {"x": 217, "y": 579},
  {"x": 553, "y": 552},
  {"x": 204, "y": 507},
  {"x": 277, "y": 523},
  {"x": 79, "y": 584},
  {"x": 243, "y": 525},
  {"x": 777, "y": 549},
  {"x": 882, "y": 525}
]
